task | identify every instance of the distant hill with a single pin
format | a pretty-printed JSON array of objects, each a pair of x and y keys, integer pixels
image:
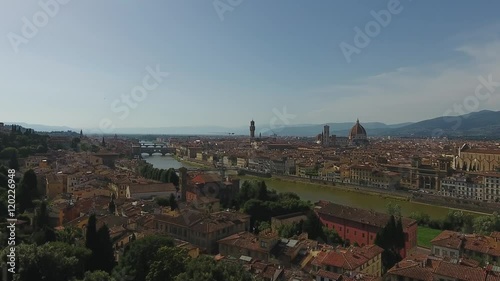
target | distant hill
[
  {"x": 483, "y": 123},
  {"x": 41, "y": 128}
]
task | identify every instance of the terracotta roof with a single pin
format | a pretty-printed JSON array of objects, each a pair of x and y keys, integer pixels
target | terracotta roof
[
  {"x": 349, "y": 259},
  {"x": 245, "y": 240},
  {"x": 433, "y": 269},
  {"x": 472, "y": 242},
  {"x": 204, "y": 178},
  {"x": 363, "y": 216},
  {"x": 328, "y": 274},
  {"x": 357, "y": 129},
  {"x": 152, "y": 188},
  {"x": 449, "y": 239}
]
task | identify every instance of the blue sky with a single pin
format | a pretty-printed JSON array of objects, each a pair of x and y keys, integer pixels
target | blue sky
[{"x": 258, "y": 58}]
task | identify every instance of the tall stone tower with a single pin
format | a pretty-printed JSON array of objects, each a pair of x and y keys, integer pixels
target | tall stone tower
[
  {"x": 326, "y": 135},
  {"x": 183, "y": 183},
  {"x": 252, "y": 129}
]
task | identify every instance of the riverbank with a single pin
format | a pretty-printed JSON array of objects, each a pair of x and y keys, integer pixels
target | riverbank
[
  {"x": 388, "y": 194},
  {"x": 192, "y": 163},
  {"x": 354, "y": 196}
]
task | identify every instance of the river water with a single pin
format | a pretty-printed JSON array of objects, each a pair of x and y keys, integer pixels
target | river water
[
  {"x": 314, "y": 192},
  {"x": 164, "y": 162}
]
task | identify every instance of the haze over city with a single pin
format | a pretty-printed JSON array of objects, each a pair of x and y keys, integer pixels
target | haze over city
[
  {"x": 229, "y": 64},
  {"x": 250, "y": 140}
]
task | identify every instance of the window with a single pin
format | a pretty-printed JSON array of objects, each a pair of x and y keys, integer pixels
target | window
[{"x": 363, "y": 235}]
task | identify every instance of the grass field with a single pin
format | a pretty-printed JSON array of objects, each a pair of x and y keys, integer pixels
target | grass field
[{"x": 425, "y": 235}]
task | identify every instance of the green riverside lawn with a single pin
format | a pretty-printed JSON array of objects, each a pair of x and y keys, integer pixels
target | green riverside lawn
[{"x": 425, "y": 235}]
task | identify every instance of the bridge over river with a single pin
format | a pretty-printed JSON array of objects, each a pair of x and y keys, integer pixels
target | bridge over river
[{"x": 151, "y": 149}]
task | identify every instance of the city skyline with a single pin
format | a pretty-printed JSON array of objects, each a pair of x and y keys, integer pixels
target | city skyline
[{"x": 257, "y": 59}]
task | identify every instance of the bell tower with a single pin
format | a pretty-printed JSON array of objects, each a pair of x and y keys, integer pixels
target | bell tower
[{"x": 252, "y": 129}]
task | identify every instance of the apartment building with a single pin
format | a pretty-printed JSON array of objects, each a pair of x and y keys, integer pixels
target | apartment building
[
  {"x": 200, "y": 228},
  {"x": 491, "y": 187},
  {"x": 366, "y": 259},
  {"x": 462, "y": 187},
  {"x": 366, "y": 175},
  {"x": 430, "y": 268},
  {"x": 361, "y": 226},
  {"x": 457, "y": 245},
  {"x": 55, "y": 185}
]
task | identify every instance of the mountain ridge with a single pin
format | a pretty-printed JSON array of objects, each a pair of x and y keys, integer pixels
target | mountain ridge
[{"x": 481, "y": 123}]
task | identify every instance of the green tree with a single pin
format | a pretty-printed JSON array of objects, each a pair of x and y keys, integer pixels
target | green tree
[
  {"x": 112, "y": 207},
  {"x": 332, "y": 237},
  {"x": 75, "y": 143},
  {"x": 172, "y": 202},
  {"x": 42, "y": 216},
  {"x": 91, "y": 239},
  {"x": 206, "y": 268},
  {"x": 53, "y": 261},
  {"x": 393, "y": 209},
  {"x": 314, "y": 227},
  {"x": 164, "y": 175},
  {"x": 8, "y": 152},
  {"x": 14, "y": 162},
  {"x": 168, "y": 263},
  {"x": 137, "y": 259},
  {"x": 389, "y": 239},
  {"x": 69, "y": 235},
  {"x": 173, "y": 178},
  {"x": 28, "y": 190},
  {"x": 264, "y": 225},
  {"x": 164, "y": 202},
  {"x": 98, "y": 275},
  {"x": 104, "y": 254},
  {"x": 487, "y": 224},
  {"x": 421, "y": 218},
  {"x": 262, "y": 191}
]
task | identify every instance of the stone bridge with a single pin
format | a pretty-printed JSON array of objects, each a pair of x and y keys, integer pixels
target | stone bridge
[{"x": 152, "y": 148}]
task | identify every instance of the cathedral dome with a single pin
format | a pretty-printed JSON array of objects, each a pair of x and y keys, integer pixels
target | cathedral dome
[{"x": 357, "y": 132}]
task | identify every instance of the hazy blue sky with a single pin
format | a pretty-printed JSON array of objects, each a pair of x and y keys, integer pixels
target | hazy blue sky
[{"x": 229, "y": 67}]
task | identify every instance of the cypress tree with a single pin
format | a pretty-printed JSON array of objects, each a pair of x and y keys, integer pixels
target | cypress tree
[
  {"x": 91, "y": 240},
  {"x": 104, "y": 254}
]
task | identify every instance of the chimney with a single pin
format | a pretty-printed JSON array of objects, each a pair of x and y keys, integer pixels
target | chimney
[{"x": 183, "y": 182}]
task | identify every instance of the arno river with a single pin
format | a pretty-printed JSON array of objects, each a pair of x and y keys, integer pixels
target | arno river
[{"x": 315, "y": 193}]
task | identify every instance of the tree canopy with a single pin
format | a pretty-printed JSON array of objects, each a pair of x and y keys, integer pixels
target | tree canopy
[
  {"x": 138, "y": 258},
  {"x": 55, "y": 261},
  {"x": 207, "y": 269}
]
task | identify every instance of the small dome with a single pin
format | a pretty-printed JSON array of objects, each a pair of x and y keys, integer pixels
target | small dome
[{"x": 357, "y": 130}]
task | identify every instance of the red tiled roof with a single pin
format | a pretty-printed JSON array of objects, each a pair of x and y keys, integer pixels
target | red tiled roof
[{"x": 358, "y": 215}]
